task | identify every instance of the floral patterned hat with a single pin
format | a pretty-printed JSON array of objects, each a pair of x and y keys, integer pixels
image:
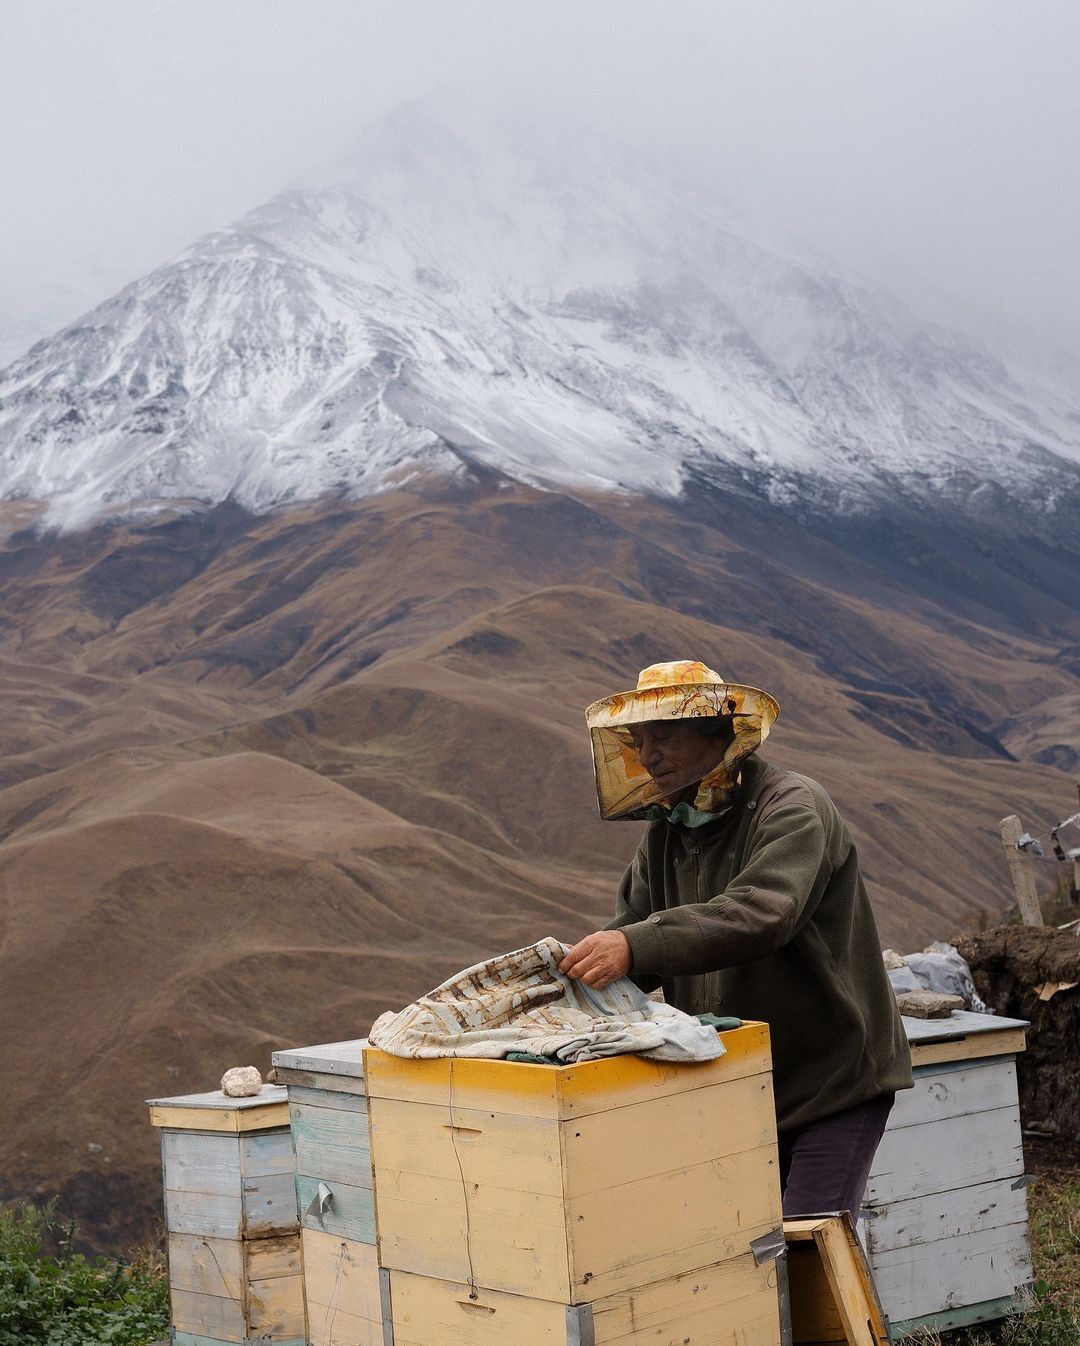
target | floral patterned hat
[{"x": 685, "y": 689}]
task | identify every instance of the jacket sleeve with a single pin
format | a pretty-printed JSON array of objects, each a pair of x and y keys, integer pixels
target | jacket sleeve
[
  {"x": 632, "y": 907},
  {"x": 786, "y": 871}
]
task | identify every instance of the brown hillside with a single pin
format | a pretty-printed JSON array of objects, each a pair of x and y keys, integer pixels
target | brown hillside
[{"x": 267, "y": 777}]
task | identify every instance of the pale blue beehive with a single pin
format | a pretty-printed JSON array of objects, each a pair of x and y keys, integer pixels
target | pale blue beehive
[
  {"x": 346, "y": 1295},
  {"x": 231, "y": 1219}
]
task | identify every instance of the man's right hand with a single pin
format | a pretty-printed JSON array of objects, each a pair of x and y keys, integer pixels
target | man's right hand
[{"x": 599, "y": 959}]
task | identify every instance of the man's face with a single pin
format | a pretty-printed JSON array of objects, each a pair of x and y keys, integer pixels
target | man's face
[{"x": 676, "y": 755}]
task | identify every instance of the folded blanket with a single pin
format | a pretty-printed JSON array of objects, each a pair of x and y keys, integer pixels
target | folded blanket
[{"x": 521, "y": 1002}]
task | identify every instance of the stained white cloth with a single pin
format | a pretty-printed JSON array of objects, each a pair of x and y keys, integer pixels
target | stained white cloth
[{"x": 521, "y": 1002}]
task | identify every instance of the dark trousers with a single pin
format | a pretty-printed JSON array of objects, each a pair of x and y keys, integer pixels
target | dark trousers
[{"x": 824, "y": 1165}]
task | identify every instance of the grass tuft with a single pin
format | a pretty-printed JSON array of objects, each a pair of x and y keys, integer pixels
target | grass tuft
[{"x": 62, "y": 1298}]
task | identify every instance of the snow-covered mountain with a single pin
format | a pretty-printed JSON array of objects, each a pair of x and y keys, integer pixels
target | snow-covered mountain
[{"x": 453, "y": 294}]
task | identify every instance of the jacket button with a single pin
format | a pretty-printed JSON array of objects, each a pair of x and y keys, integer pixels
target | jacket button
[
  {"x": 655, "y": 920},
  {"x": 752, "y": 804}
]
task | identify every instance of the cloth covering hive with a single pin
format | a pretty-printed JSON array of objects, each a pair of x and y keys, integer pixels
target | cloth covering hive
[{"x": 520, "y": 1002}]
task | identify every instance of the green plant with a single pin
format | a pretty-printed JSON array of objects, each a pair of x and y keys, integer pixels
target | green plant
[{"x": 66, "y": 1299}]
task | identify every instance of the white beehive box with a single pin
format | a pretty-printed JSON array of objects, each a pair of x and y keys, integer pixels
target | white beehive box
[
  {"x": 945, "y": 1214},
  {"x": 230, "y": 1218},
  {"x": 345, "y": 1297}
]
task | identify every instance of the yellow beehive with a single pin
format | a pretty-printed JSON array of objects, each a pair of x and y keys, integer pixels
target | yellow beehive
[
  {"x": 732, "y": 1303},
  {"x": 573, "y": 1186}
]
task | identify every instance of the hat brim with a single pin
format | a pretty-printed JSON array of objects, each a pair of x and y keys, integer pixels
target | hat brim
[{"x": 681, "y": 701}]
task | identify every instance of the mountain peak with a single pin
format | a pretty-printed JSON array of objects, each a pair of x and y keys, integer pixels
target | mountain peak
[{"x": 460, "y": 286}]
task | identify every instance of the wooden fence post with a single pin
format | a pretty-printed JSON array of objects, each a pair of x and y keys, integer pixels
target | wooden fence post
[{"x": 1020, "y": 867}]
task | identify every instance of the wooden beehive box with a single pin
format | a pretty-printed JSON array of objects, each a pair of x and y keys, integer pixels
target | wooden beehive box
[
  {"x": 230, "y": 1218},
  {"x": 945, "y": 1214},
  {"x": 731, "y": 1303},
  {"x": 616, "y": 1190},
  {"x": 345, "y": 1298}
]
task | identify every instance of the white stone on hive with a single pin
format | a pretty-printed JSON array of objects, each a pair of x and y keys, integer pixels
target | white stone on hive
[{"x": 241, "y": 1082}]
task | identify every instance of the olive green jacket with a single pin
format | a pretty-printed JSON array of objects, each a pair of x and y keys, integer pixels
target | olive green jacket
[{"x": 763, "y": 914}]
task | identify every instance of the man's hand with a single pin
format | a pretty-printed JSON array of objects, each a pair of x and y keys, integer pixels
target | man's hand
[{"x": 599, "y": 959}]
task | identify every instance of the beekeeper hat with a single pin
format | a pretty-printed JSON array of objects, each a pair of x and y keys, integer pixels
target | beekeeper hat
[{"x": 684, "y": 689}]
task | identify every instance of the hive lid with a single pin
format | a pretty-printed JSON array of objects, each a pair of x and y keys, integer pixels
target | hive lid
[
  {"x": 330, "y": 1058},
  {"x": 959, "y": 1024},
  {"x": 215, "y": 1111}
]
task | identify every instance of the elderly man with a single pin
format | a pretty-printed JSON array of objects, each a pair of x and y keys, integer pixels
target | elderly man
[{"x": 745, "y": 898}]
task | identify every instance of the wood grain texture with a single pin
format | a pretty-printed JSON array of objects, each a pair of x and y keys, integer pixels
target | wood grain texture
[
  {"x": 565, "y": 1091},
  {"x": 311, "y": 1079},
  {"x": 657, "y": 1227},
  {"x": 322, "y": 1098},
  {"x": 530, "y": 1205},
  {"x": 814, "y": 1313},
  {"x": 658, "y": 1135},
  {"x": 981, "y": 1087},
  {"x": 336, "y": 1326},
  {"x": 943, "y": 1156},
  {"x": 945, "y": 1215},
  {"x": 208, "y": 1315},
  {"x": 215, "y": 1112},
  {"x": 328, "y": 1058},
  {"x": 215, "y": 1216},
  {"x": 466, "y": 1144},
  {"x": 503, "y": 1237},
  {"x": 266, "y": 1153},
  {"x": 269, "y": 1205},
  {"x": 194, "y": 1339},
  {"x": 207, "y": 1266},
  {"x": 1005, "y": 1043},
  {"x": 331, "y": 1143},
  {"x": 851, "y": 1283},
  {"x": 961, "y": 1024},
  {"x": 598, "y": 1086},
  {"x": 260, "y": 1278},
  {"x": 350, "y": 1215},
  {"x": 341, "y": 1272},
  {"x": 732, "y": 1304},
  {"x": 928, "y": 1278},
  {"x": 197, "y": 1162},
  {"x": 270, "y": 1257},
  {"x": 990, "y": 1310},
  {"x": 275, "y": 1306},
  {"x": 490, "y": 1086}
]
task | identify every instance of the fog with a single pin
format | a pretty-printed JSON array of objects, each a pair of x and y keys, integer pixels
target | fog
[{"x": 931, "y": 145}]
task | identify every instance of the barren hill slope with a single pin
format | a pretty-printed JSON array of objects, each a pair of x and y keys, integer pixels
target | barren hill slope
[{"x": 268, "y": 776}]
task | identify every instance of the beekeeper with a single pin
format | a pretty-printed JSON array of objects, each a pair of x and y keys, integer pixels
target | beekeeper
[{"x": 745, "y": 898}]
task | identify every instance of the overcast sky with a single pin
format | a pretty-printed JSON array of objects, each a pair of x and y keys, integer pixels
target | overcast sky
[{"x": 934, "y": 139}]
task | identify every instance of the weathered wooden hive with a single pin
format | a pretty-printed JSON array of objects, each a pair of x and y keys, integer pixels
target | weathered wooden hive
[
  {"x": 230, "y": 1217},
  {"x": 945, "y": 1215},
  {"x": 344, "y": 1294},
  {"x": 604, "y": 1202}
]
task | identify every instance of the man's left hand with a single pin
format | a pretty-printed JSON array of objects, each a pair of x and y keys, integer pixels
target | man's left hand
[{"x": 599, "y": 959}]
